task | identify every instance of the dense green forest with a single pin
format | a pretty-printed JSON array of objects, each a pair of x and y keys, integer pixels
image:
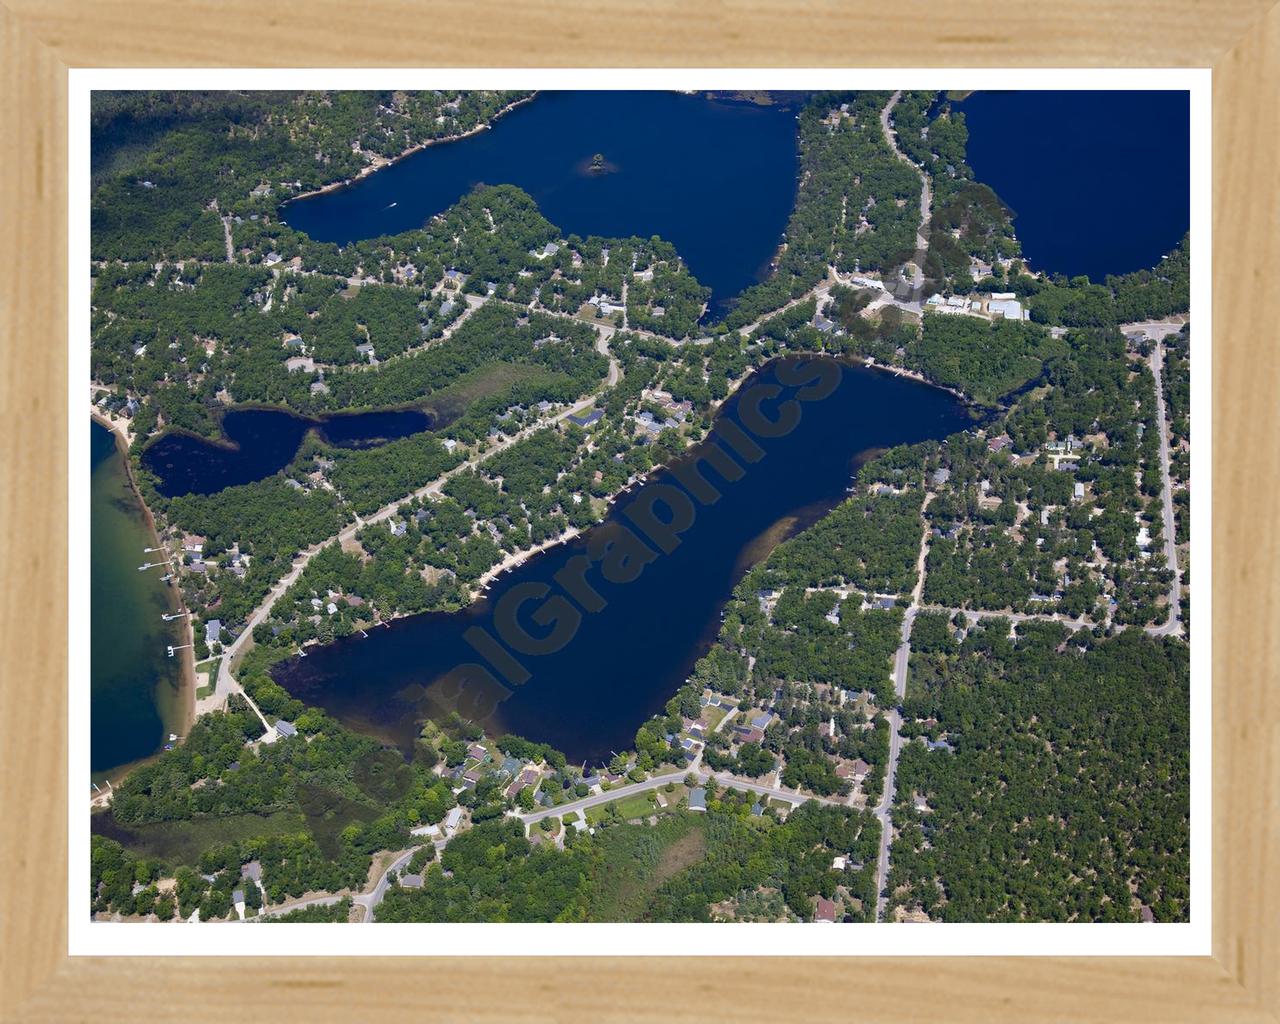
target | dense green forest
[
  {"x": 686, "y": 868},
  {"x": 986, "y": 360},
  {"x": 1065, "y": 794}
]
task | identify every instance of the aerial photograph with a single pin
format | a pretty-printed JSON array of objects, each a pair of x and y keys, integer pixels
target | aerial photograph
[{"x": 639, "y": 506}]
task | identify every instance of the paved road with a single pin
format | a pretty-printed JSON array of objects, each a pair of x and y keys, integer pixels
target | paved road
[
  {"x": 1156, "y": 329},
  {"x": 373, "y": 897},
  {"x": 926, "y": 198},
  {"x": 974, "y": 614},
  {"x": 725, "y": 779},
  {"x": 366, "y": 900},
  {"x": 1173, "y": 626},
  {"x": 901, "y": 659},
  {"x": 226, "y": 683},
  {"x": 473, "y": 302},
  {"x": 617, "y": 793}
]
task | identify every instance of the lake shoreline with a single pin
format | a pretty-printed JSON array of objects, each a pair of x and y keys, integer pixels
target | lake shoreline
[
  {"x": 478, "y": 588},
  {"x": 186, "y": 698},
  {"x": 380, "y": 163},
  {"x": 397, "y": 666}
]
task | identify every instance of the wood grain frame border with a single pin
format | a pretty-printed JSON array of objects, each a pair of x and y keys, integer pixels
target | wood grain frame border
[{"x": 41, "y": 39}]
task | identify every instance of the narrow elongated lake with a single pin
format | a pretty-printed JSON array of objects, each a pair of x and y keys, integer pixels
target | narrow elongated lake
[
  {"x": 717, "y": 179},
  {"x": 625, "y": 659}
]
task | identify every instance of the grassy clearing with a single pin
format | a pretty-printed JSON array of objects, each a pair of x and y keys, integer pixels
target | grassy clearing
[
  {"x": 637, "y": 859},
  {"x": 182, "y": 842},
  {"x": 639, "y": 805},
  {"x": 450, "y": 402}
]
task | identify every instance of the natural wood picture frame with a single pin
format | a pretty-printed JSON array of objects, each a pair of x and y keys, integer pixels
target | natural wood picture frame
[{"x": 41, "y": 39}]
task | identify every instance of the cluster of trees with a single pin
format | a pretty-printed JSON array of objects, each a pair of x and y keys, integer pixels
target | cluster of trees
[
  {"x": 184, "y": 337},
  {"x": 371, "y": 478},
  {"x": 114, "y": 872},
  {"x": 1012, "y": 535},
  {"x": 493, "y": 873},
  {"x": 1125, "y": 298},
  {"x": 986, "y": 360},
  {"x": 269, "y": 521},
  {"x": 858, "y": 205},
  {"x": 852, "y": 654},
  {"x": 968, "y": 219},
  {"x": 1065, "y": 796},
  {"x": 881, "y": 336},
  {"x": 1176, "y": 376},
  {"x": 351, "y": 796},
  {"x": 870, "y": 541}
]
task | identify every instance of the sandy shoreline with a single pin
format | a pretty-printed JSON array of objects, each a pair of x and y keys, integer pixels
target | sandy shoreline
[
  {"x": 187, "y": 686},
  {"x": 518, "y": 558},
  {"x": 380, "y": 162}
]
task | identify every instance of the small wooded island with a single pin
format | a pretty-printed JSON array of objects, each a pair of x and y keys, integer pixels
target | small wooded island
[{"x": 511, "y": 556}]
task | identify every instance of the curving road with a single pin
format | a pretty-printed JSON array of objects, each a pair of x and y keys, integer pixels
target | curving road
[{"x": 926, "y": 197}]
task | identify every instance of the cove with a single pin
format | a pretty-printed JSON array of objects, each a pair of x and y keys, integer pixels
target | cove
[
  {"x": 1099, "y": 182},
  {"x": 715, "y": 178},
  {"x": 261, "y": 442},
  {"x": 625, "y": 660},
  {"x": 135, "y": 687}
]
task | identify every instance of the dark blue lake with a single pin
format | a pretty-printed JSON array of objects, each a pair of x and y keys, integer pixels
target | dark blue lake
[
  {"x": 261, "y": 442},
  {"x": 715, "y": 178},
  {"x": 626, "y": 659},
  {"x": 1099, "y": 181}
]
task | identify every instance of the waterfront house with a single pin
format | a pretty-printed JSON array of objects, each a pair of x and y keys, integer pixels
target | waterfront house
[
  {"x": 285, "y": 729},
  {"x": 509, "y": 766},
  {"x": 212, "y": 631}
]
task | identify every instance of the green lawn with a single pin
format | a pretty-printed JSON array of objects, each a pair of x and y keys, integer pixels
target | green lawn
[{"x": 640, "y": 805}]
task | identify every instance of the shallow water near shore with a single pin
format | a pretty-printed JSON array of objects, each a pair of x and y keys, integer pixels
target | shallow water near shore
[
  {"x": 136, "y": 689},
  {"x": 625, "y": 660}
]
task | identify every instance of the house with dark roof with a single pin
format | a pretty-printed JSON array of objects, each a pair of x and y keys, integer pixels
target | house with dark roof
[
  {"x": 824, "y": 910},
  {"x": 698, "y": 799},
  {"x": 587, "y": 419}
]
